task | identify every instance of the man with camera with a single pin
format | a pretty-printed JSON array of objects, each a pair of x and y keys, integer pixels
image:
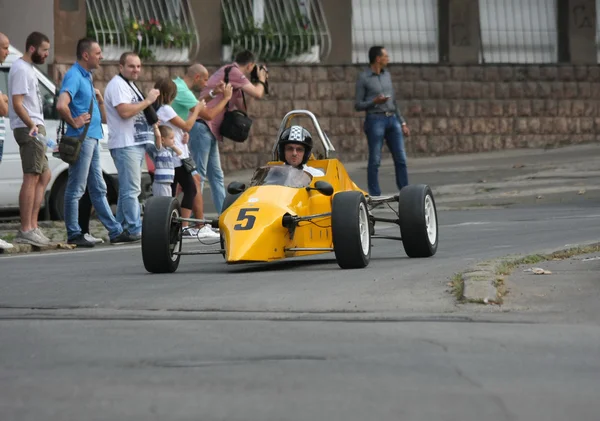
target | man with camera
[
  {"x": 236, "y": 74},
  {"x": 130, "y": 130}
]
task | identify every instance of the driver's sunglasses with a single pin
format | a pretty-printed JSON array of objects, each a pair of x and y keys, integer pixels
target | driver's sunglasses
[{"x": 294, "y": 148}]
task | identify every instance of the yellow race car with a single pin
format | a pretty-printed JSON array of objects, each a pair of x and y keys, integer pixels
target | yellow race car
[{"x": 286, "y": 212}]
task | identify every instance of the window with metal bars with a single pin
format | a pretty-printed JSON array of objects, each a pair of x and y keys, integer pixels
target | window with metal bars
[
  {"x": 518, "y": 31},
  {"x": 161, "y": 30},
  {"x": 276, "y": 30},
  {"x": 408, "y": 29}
]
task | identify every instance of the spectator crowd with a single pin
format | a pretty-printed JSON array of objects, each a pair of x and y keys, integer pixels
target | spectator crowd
[{"x": 177, "y": 123}]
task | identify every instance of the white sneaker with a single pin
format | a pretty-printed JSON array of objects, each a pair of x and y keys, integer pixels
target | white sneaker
[
  {"x": 92, "y": 239},
  {"x": 4, "y": 245},
  {"x": 40, "y": 234},
  {"x": 190, "y": 232},
  {"x": 207, "y": 232}
]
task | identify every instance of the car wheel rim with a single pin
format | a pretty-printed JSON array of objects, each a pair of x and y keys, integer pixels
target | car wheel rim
[
  {"x": 430, "y": 220},
  {"x": 363, "y": 226},
  {"x": 175, "y": 235}
]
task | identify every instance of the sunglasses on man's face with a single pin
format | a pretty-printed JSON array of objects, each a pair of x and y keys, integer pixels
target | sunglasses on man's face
[{"x": 294, "y": 148}]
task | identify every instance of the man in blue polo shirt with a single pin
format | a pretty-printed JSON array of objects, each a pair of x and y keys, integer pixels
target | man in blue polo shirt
[{"x": 77, "y": 98}]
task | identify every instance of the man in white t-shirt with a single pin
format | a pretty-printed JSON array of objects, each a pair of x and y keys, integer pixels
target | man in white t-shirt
[
  {"x": 27, "y": 120},
  {"x": 128, "y": 136},
  {"x": 4, "y": 44}
]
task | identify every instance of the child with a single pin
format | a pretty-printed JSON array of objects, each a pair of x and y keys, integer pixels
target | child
[
  {"x": 164, "y": 172},
  {"x": 166, "y": 114}
]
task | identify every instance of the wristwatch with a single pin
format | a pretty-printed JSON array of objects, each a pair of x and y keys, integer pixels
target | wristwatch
[{"x": 211, "y": 94}]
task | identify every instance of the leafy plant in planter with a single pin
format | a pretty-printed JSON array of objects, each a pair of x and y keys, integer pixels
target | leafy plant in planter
[
  {"x": 143, "y": 36},
  {"x": 274, "y": 44}
]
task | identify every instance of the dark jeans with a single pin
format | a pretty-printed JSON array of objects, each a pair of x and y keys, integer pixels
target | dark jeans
[
  {"x": 377, "y": 128},
  {"x": 85, "y": 212}
]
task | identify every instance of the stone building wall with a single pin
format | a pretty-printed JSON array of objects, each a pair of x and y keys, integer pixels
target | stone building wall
[{"x": 450, "y": 109}]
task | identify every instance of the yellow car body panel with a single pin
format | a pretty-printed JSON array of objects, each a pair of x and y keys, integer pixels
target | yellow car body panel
[{"x": 252, "y": 226}]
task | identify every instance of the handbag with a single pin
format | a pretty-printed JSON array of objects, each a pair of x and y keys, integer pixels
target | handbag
[
  {"x": 189, "y": 165},
  {"x": 236, "y": 123},
  {"x": 69, "y": 147},
  {"x": 149, "y": 111}
]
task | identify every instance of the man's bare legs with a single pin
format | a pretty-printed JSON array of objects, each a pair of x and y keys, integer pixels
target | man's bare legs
[
  {"x": 27, "y": 199},
  {"x": 40, "y": 189}
]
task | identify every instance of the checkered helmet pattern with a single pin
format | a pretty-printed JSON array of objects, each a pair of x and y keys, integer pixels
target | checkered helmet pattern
[{"x": 298, "y": 135}]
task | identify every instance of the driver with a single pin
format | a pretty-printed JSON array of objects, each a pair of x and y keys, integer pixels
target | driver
[{"x": 295, "y": 145}]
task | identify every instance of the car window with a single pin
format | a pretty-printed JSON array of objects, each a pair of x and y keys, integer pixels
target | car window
[
  {"x": 48, "y": 97},
  {"x": 4, "y": 81},
  {"x": 281, "y": 175}
]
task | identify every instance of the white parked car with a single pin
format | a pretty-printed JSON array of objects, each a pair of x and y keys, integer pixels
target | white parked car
[{"x": 11, "y": 173}]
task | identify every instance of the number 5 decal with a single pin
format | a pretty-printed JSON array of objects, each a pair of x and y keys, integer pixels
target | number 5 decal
[{"x": 244, "y": 215}]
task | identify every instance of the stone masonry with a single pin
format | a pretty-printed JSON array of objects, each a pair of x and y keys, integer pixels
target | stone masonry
[{"x": 449, "y": 109}]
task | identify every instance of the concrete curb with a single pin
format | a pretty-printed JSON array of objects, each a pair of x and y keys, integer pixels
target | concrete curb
[{"x": 481, "y": 283}]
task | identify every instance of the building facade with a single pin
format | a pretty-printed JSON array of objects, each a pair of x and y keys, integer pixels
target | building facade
[{"x": 472, "y": 75}]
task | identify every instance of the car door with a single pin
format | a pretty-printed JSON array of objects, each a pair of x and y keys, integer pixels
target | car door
[{"x": 11, "y": 174}]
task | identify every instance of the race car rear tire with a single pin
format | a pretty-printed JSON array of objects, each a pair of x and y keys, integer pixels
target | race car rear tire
[
  {"x": 161, "y": 235},
  {"x": 418, "y": 221},
  {"x": 350, "y": 230}
]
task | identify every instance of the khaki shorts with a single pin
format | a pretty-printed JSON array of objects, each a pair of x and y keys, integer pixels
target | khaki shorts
[{"x": 33, "y": 152}]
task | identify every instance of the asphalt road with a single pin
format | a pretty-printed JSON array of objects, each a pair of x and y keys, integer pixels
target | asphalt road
[{"x": 90, "y": 335}]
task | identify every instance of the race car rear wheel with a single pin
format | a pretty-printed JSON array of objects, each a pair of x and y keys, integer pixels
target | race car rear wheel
[
  {"x": 350, "y": 230},
  {"x": 418, "y": 221},
  {"x": 161, "y": 235}
]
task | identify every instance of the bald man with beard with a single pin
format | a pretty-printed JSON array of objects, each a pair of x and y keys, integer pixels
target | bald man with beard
[
  {"x": 204, "y": 151},
  {"x": 4, "y": 44}
]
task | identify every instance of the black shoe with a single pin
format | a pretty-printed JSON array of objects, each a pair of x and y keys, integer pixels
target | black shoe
[
  {"x": 80, "y": 241},
  {"x": 125, "y": 237}
]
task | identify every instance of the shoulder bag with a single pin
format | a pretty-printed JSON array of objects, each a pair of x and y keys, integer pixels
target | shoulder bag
[
  {"x": 236, "y": 123},
  {"x": 69, "y": 147},
  {"x": 149, "y": 111}
]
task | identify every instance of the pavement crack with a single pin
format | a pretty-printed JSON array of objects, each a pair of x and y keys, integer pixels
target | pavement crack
[
  {"x": 436, "y": 343},
  {"x": 509, "y": 416}
]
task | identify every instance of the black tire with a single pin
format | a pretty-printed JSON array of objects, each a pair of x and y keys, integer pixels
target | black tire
[
  {"x": 350, "y": 230},
  {"x": 57, "y": 198},
  {"x": 161, "y": 235},
  {"x": 228, "y": 201},
  {"x": 418, "y": 221},
  {"x": 222, "y": 243}
]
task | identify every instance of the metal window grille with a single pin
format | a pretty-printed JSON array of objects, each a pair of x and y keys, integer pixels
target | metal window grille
[
  {"x": 518, "y": 31},
  {"x": 161, "y": 29},
  {"x": 407, "y": 28},
  {"x": 276, "y": 30}
]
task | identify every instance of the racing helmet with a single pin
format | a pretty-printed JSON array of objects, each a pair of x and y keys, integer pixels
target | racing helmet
[{"x": 298, "y": 135}]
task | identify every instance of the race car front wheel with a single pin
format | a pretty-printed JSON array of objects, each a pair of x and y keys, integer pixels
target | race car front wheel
[
  {"x": 161, "y": 235},
  {"x": 418, "y": 220},
  {"x": 350, "y": 230}
]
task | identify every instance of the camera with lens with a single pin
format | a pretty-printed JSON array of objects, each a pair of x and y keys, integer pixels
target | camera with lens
[{"x": 254, "y": 76}]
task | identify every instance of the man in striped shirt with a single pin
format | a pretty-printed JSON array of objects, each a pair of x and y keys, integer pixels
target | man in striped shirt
[{"x": 4, "y": 43}]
